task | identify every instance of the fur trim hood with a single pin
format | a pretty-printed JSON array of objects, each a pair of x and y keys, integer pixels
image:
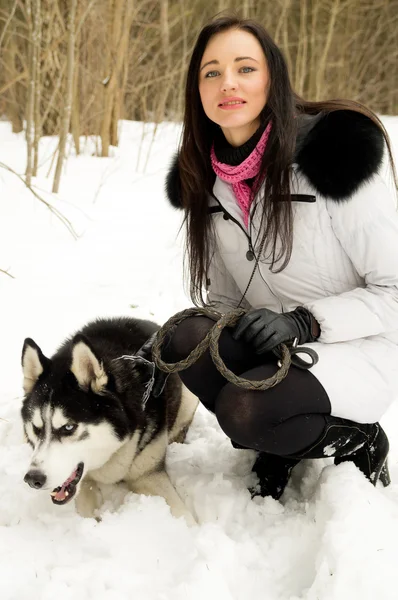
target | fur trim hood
[{"x": 337, "y": 152}]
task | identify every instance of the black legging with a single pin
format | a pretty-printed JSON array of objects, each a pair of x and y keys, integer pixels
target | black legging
[{"x": 282, "y": 420}]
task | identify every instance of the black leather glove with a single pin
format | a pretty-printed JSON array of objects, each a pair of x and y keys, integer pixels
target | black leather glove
[
  {"x": 265, "y": 329},
  {"x": 160, "y": 376}
]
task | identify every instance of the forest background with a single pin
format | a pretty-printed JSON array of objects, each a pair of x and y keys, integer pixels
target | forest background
[{"x": 79, "y": 66}]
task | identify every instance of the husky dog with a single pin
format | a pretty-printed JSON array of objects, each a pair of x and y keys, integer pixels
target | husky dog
[{"x": 90, "y": 417}]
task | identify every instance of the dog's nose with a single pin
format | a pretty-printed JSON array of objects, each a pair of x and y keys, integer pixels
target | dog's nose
[{"x": 36, "y": 479}]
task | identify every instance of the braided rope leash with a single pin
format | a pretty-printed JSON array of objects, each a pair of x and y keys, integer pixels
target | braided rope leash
[{"x": 211, "y": 341}]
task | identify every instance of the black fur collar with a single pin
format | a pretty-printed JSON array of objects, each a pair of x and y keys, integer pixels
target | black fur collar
[{"x": 337, "y": 152}]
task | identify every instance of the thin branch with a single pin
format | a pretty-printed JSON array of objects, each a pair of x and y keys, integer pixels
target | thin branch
[
  {"x": 7, "y": 273},
  {"x": 52, "y": 209},
  {"x": 8, "y": 22},
  {"x": 84, "y": 17}
]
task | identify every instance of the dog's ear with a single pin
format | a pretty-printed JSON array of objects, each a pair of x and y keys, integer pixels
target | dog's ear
[
  {"x": 33, "y": 364},
  {"x": 86, "y": 367}
]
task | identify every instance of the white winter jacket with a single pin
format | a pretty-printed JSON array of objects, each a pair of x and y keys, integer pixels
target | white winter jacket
[{"x": 343, "y": 268}]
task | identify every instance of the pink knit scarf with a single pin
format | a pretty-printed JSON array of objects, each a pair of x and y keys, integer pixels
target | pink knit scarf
[{"x": 247, "y": 169}]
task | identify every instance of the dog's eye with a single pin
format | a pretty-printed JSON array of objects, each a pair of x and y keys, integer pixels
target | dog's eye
[{"x": 68, "y": 428}]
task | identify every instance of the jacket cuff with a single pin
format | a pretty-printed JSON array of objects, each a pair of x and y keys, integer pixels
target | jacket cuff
[{"x": 308, "y": 326}]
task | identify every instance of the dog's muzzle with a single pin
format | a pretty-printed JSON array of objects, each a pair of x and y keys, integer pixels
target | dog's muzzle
[{"x": 35, "y": 478}]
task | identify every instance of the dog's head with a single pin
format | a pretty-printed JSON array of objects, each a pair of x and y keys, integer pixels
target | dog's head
[{"x": 77, "y": 412}]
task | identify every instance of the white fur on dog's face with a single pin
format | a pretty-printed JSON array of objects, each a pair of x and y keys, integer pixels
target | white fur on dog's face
[{"x": 58, "y": 456}]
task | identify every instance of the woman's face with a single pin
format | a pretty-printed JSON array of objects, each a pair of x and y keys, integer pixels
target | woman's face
[{"x": 234, "y": 83}]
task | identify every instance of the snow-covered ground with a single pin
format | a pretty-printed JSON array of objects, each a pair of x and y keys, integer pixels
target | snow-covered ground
[{"x": 332, "y": 537}]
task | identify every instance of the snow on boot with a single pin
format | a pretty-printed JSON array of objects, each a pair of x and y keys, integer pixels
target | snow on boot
[
  {"x": 371, "y": 459},
  {"x": 273, "y": 473},
  {"x": 365, "y": 444}
]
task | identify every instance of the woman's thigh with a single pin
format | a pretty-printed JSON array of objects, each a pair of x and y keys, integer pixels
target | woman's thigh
[
  {"x": 203, "y": 378},
  {"x": 285, "y": 418},
  {"x": 299, "y": 393}
]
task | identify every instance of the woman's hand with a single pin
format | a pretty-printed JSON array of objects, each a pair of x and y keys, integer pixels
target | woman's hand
[{"x": 265, "y": 329}]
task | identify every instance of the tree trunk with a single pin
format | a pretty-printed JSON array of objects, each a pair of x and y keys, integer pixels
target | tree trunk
[
  {"x": 15, "y": 96},
  {"x": 246, "y": 9},
  {"x": 75, "y": 116},
  {"x": 37, "y": 85},
  {"x": 123, "y": 14},
  {"x": 164, "y": 27},
  {"x": 326, "y": 47},
  {"x": 31, "y": 96},
  {"x": 165, "y": 57},
  {"x": 68, "y": 96},
  {"x": 115, "y": 11}
]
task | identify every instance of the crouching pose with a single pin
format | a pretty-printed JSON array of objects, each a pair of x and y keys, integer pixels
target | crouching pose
[{"x": 287, "y": 216}]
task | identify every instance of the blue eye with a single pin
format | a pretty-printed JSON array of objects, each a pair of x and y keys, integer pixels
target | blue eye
[
  {"x": 68, "y": 428},
  {"x": 209, "y": 74},
  {"x": 212, "y": 74}
]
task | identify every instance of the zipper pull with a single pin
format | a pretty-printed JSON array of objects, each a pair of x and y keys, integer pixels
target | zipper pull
[{"x": 250, "y": 253}]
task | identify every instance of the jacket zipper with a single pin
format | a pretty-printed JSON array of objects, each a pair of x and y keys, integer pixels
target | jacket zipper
[
  {"x": 237, "y": 223},
  {"x": 251, "y": 249}
]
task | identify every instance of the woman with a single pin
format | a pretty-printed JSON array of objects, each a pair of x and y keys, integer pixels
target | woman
[{"x": 287, "y": 217}]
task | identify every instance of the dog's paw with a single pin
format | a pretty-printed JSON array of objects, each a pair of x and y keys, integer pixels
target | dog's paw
[
  {"x": 190, "y": 519},
  {"x": 88, "y": 500}
]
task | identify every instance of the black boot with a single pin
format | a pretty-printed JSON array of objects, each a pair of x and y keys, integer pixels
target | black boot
[
  {"x": 273, "y": 473},
  {"x": 365, "y": 444}
]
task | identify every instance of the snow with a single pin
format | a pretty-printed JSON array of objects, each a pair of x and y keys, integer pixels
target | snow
[{"x": 333, "y": 536}]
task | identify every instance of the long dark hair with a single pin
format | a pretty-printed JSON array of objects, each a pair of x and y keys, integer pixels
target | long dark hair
[{"x": 197, "y": 176}]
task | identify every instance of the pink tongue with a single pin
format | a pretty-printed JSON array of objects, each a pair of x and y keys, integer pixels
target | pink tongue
[{"x": 60, "y": 495}]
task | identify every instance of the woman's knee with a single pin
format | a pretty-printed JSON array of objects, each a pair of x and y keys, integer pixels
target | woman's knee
[
  {"x": 185, "y": 338},
  {"x": 251, "y": 420},
  {"x": 235, "y": 415}
]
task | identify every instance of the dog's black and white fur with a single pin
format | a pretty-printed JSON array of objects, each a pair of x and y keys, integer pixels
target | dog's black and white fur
[{"x": 86, "y": 416}]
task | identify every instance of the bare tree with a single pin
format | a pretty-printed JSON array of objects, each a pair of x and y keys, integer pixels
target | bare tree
[
  {"x": 31, "y": 95},
  {"x": 302, "y": 50},
  {"x": 326, "y": 48},
  {"x": 246, "y": 9},
  {"x": 164, "y": 28},
  {"x": 123, "y": 11},
  {"x": 37, "y": 84},
  {"x": 130, "y": 59},
  {"x": 68, "y": 96},
  {"x": 166, "y": 58},
  {"x": 9, "y": 53}
]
